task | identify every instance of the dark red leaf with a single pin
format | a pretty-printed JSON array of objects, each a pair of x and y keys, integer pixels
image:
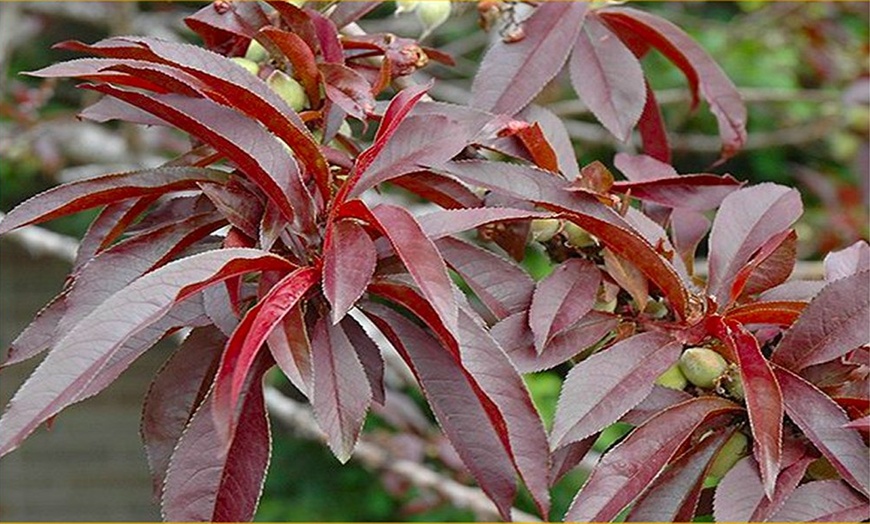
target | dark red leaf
[
  {"x": 348, "y": 89},
  {"x": 107, "y": 227},
  {"x": 697, "y": 192},
  {"x": 703, "y": 74},
  {"x": 291, "y": 349},
  {"x": 847, "y": 262},
  {"x": 210, "y": 481},
  {"x": 85, "y": 194},
  {"x": 651, "y": 127},
  {"x": 674, "y": 496},
  {"x": 556, "y": 134},
  {"x": 687, "y": 229},
  {"x": 511, "y": 74},
  {"x": 177, "y": 390},
  {"x": 349, "y": 260},
  {"x": 369, "y": 356},
  {"x": 625, "y": 471},
  {"x": 793, "y": 291},
  {"x": 341, "y": 395},
  {"x": 348, "y": 12},
  {"x": 456, "y": 404},
  {"x": 659, "y": 399},
  {"x": 327, "y": 34},
  {"x": 438, "y": 224},
  {"x": 602, "y": 388},
  {"x": 764, "y": 400},
  {"x": 822, "y": 421},
  {"x": 439, "y": 190},
  {"x": 568, "y": 457},
  {"x": 85, "y": 350},
  {"x": 862, "y": 424},
  {"x": 746, "y": 220},
  {"x": 823, "y": 501},
  {"x": 834, "y": 323},
  {"x": 628, "y": 277},
  {"x": 39, "y": 335},
  {"x": 561, "y": 299},
  {"x": 542, "y": 153},
  {"x": 548, "y": 191},
  {"x": 215, "y": 22},
  {"x": 770, "y": 267},
  {"x": 781, "y": 313},
  {"x": 241, "y": 208},
  {"x": 608, "y": 78},
  {"x": 245, "y": 343}
]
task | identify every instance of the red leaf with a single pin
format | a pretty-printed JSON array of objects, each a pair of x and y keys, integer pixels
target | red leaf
[
  {"x": 697, "y": 192},
  {"x": 764, "y": 400},
  {"x": 502, "y": 286},
  {"x": 561, "y": 299},
  {"x": 209, "y": 481},
  {"x": 702, "y": 72},
  {"x": 628, "y": 277},
  {"x": 348, "y": 89},
  {"x": 87, "y": 348},
  {"x": 543, "y": 154},
  {"x": 659, "y": 399},
  {"x": 770, "y": 267},
  {"x": 643, "y": 168},
  {"x": 687, "y": 229},
  {"x": 245, "y": 343},
  {"x": 515, "y": 338},
  {"x": 823, "y": 501},
  {"x": 291, "y": 349},
  {"x": 848, "y": 261},
  {"x": 369, "y": 356},
  {"x": 177, "y": 390},
  {"x": 348, "y": 12},
  {"x": 349, "y": 260},
  {"x": 39, "y": 335},
  {"x": 300, "y": 56},
  {"x": 439, "y": 190},
  {"x": 442, "y": 223},
  {"x": 674, "y": 496},
  {"x": 822, "y": 421},
  {"x": 548, "y": 191},
  {"x": 652, "y": 130},
  {"x": 834, "y": 323},
  {"x": 746, "y": 220},
  {"x": 782, "y": 313},
  {"x": 568, "y": 457},
  {"x": 107, "y": 227},
  {"x": 458, "y": 408},
  {"x": 341, "y": 395},
  {"x": 85, "y": 194},
  {"x": 608, "y": 78},
  {"x": 556, "y": 134},
  {"x": 625, "y": 471},
  {"x": 215, "y": 22},
  {"x": 602, "y": 388},
  {"x": 511, "y": 74}
]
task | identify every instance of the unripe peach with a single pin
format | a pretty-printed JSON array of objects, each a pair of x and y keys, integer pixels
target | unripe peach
[
  {"x": 289, "y": 89},
  {"x": 734, "y": 384},
  {"x": 249, "y": 65},
  {"x": 256, "y": 52},
  {"x": 734, "y": 449},
  {"x": 433, "y": 13},
  {"x": 702, "y": 366},
  {"x": 543, "y": 229},
  {"x": 576, "y": 236},
  {"x": 673, "y": 378}
]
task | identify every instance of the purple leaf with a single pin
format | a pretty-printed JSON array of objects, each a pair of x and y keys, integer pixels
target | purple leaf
[
  {"x": 834, "y": 323},
  {"x": 209, "y": 481},
  {"x": 746, "y": 220},
  {"x": 514, "y": 335},
  {"x": 643, "y": 168},
  {"x": 608, "y": 78},
  {"x": 561, "y": 299},
  {"x": 246, "y": 341},
  {"x": 628, "y": 277},
  {"x": 349, "y": 261},
  {"x": 568, "y": 457},
  {"x": 300, "y": 56},
  {"x": 439, "y": 190},
  {"x": 702, "y": 72},
  {"x": 179, "y": 387},
  {"x": 215, "y": 24},
  {"x": 625, "y": 471},
  {"x": 512, "y": 74},
  {"x": 823, "y": 501},
  {"x": 659, "y": 399},
  {"x": 441, "y": 223},
  {"x": 696, "y": 192},
  {"x": 687, "y": 229},
  {"x": 822, "y": 421},
  {"x": 105, "y": 229},
  {"x": 848, "y": 261},
  {"x": 108, "y": 189},
  {"x": 86, "y": 349},
  {"x": 291, "y": 349},
  {"x": 348, "y": 89},
  {"x": 674, "y": 496},
  {"x": 557, "y": 135},
  {"x": 341, "y": 394},
  {"x": 651, "y": 127},
  {"x": 770, "y": 267},
  {"x": 793, "y": 290},
  {"x": 369, "y": 356},
  {"x": 456, "y": 404},
  {"x": 502, "y": 286},
  {"x": 602, "y": 388},
  {"x": 39, "y": 335},
  {"x": 348, "y": 12}
]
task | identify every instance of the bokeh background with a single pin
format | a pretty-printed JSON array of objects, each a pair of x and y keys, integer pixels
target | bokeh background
[{"x": 801, "y": 67}]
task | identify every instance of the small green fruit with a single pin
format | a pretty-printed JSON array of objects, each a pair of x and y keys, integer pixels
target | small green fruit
[
  {"x": 734, "y": 385},
  {"x": 289, "y": 89},
  {"x": 543, "y": 229},
  {"x": 251, "y": 66},
  {"x": 734, "y": 449},
  {"x": 673, "y": 378},
  {"x": 702, "y": 366},
  {"x": 406, "y": 6},
  {"x": 256, "y": 52},
  {"x": 822, "y": 469},
  {"x": 433, "y": 13},
  {"x": 576, "y": 236}
]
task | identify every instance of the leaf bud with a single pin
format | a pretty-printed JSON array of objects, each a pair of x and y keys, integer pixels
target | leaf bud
[
  {"x": 249, "y": 65},
  {"x": 733, "y": 450},
  {"x": 673, "y": 378},
  {"x": 543, "y": 229},
  {"x": 289, "y": 89},
  {"x": 703, "y": 367}
]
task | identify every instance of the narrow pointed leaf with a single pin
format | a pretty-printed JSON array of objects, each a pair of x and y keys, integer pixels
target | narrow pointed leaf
[
  {"x": 291, "y": 349},
  {"x": 561, "y": 299},
  {"x": 512, "y": 74},
  {"x": 441, "y": 223},
  {"x": 602, "y": 388},
  {"x": 834, "y": 323},
  {"x": 651, "y": 127},
  {"x": 608, "y": 78},
  {"x": 625, "y": 471},
  {"x": 823, "y": 501},
  {"x": 770, "y": 267},
  {"x": 847, "y": 262},
  {"x": 823, "y": 421},
  {"x": 700, "y": 192},
  {"x": 369, "y": 356},
  {"x": 348, "y": 89},
  {"x": 91, "y": 344},
  {"x": 556, "y": 134},
  {"x": 782, "y": 313},
  {"x": 348, "y": 265}
]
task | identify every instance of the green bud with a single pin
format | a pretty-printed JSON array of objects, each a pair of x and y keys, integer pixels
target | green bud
[
  {"x": 702, "y": 366},
  {"x": 433, "y": 13},
  {"x": 576, "y": 236},
  {"x": 251, "y": 66},
  {"x": 673, "y": 378},
  {"x": 256, "y": 52},
  {"x": 543, "y": 229},
  {"x": 734, "y": 449},
  {"x": 289, "y": 89}
]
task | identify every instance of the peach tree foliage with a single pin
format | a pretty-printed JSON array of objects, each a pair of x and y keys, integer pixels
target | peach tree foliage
[{"x": 265, "y": 235}]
